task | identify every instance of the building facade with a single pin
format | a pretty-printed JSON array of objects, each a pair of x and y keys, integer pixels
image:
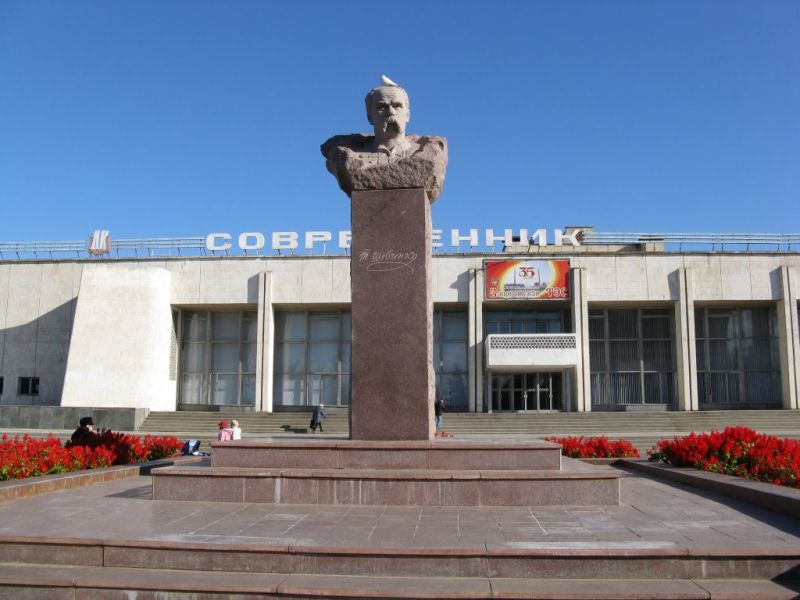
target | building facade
[{"x": 553, "y": 328}]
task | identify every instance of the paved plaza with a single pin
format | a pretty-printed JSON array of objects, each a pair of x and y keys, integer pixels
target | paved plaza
[
  {"x": 652, "y": 514},
  {"x": 655, "y": 519}
]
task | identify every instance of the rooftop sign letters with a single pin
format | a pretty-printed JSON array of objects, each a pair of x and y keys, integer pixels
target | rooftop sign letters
[
  {"x": 309, "y": 240},
  {"x": 99, "y": 243}
]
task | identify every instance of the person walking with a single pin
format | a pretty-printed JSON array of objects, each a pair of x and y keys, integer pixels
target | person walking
[
  {"x": 438, "y": 410},
  {"x": 316, "y": 418}
]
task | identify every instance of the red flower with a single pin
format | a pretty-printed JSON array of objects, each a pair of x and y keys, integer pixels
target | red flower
[{"x": 594, "y": 447}]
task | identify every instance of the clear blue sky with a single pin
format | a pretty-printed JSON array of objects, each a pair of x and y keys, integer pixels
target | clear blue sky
[{"x": 159, "y": 118}]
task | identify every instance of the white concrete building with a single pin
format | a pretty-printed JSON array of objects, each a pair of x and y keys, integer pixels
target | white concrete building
[{"x": 600, "y": 326}]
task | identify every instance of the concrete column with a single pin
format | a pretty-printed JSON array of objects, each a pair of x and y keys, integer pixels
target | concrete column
[
  {"x": 265, "y": 344},
  {"x": 581, "y": 379},
  {"x": 685, "y": 345},
  {"x": 475, "y": 353},
  {"x": 788, "y": 337}
]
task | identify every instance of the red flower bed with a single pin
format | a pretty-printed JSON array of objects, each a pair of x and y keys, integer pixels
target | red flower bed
[
  {"x": 736, "y": 451},
  {"x": 594, "y": 447},
  {"x": 29, "y": 457}
]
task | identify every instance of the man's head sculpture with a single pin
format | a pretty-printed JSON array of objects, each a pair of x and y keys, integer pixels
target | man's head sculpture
[
  {"x": 388, "y": 110},
  {"x": 389, "y": 158}
]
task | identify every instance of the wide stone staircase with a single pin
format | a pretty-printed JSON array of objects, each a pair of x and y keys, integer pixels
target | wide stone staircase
[{"x": 643, "y": 429}]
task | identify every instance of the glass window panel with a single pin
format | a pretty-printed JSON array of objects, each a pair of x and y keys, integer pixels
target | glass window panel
[
  {"x": 596, "y": 328},
  {"x": 225, "y": 358},
  {"x": 722, "y": 355},
  {"x": 323, "y": 327},
  {"x": 290, "y": 358},
  {"x": 437, "y": 356},
  {"x": 626, "y": 388},
  {"x": 455, "y": 325},
  {"x": 193, "y": 357},
  {"x": 654, "y": 328},
  {"x": 290, "y": 326},
  {"x": 657, "y": 388},
  {"x": 597, "y": 356},
  {"x": 624, "y": 356},
  {"x": 454, "y": 357},
  {"x": 517, "y": 327},
  {"x": 249, "y": 390},
  {"x": 323, "y": 357},
  {"x": 760, "y": 319},
  {"x": 346, "y": 357},
  {"x": 346, "y": 325},
  {"x": 702, "y": 388},
  {"x": 192, "y": 388},
  {"x": 756, "y": 354},
  {"x": 599, "y": 394},
  {"x": 248, "y": 358},
  {"x": 437, "y": 325},
  {"x": 722, "y": 325},
  {"x": 657, "y": 355},
  {"x": 289, "y": 390},
  {"x": 758, "y": 387},
  {"x": 323, "y": 389},
  {"x": 700, "y": 351},
  {"x": 226, "y": 326},
  {"x": 699, "y": 323},
  {"x": 345, "y": 398},
  {"x": 734, "y": 392},
  {"x": 454, "y": 391},
  {"x": 249, "y": 330},
  {"x": 723, "y": 388},
  {"x": 225, "y": 389},
  {"x": 622, "y": 324},
  {"x": 194, "y": 326}
]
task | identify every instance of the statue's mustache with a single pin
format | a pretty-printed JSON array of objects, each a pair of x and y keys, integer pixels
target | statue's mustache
[{"x": 391, "y": 124}]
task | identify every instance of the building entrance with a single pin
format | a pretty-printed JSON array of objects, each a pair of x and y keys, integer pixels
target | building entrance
[{"x": 526, "y": 391}]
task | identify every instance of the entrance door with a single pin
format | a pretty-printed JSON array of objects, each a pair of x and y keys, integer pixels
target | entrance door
[{"x": 526, "y": 392}]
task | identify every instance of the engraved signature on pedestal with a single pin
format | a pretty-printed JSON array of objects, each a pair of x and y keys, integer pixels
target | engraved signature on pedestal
[{"x": 387, "y": 260}]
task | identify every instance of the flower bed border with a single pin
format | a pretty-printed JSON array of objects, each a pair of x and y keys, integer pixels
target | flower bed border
[
  {"x": 777, "y": 498},
  {"x": 14, "y": 489}
]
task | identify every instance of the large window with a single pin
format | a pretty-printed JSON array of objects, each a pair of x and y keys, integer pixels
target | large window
[
  {"x": 527, "y": 321},
  {"x": 631, "y": 357},
  {"x": 737, "y": 356},
  {"x": 218, "y": 358},
  {"x": 312, "y": 358},
  {"x": 450, "y": 358}
]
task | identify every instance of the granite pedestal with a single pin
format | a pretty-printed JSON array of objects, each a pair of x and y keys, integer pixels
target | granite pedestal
[{"x": 391, "y": 378}]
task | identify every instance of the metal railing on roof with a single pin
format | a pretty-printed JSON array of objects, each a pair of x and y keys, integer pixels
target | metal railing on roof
[
  {"x": 781, "y": 241},
  {"x": 119, "y": 248},
  {"x": 196, "y": 246}
]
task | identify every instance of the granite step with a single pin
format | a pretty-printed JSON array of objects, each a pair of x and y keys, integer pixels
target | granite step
[
  {"x": 398, "y": 487},
  {"x": 554, "y": 560},
  {"x": 326, "y": 453},
  {"x": 24, "y": 581}
]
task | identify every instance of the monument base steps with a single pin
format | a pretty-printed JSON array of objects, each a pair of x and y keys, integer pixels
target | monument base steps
[
  {"x": 449, "y": 472},
  {"x": 395, "y": 487},
  {"x": 22, "y": 582},
  {"x": 64, "y": 568}
]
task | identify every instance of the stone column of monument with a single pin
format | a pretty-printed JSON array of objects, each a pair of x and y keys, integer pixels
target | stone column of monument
[{"x": 392, "y": 178}]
